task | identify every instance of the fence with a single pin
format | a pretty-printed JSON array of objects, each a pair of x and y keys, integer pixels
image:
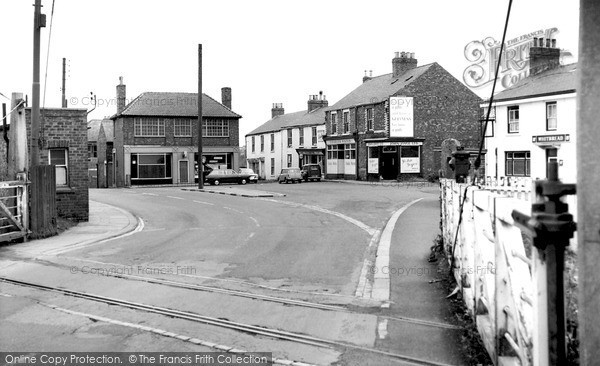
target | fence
[
  {"x": 14, "y": 210},
  {"x": 490, "y": 263}
]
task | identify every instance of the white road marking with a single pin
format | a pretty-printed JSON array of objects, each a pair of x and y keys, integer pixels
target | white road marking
[
  {"x": 254, "y": 220},
  {"x": 382, "y": 329},
  {"x": 205, "y": 203},
  {"x": 381, "y": 283},
  {"x": 351, "y": 220},
  {"x": 150, "y": 194},
  {"x": 175, "y": 198},
  {"x": 232, "y": 209}
]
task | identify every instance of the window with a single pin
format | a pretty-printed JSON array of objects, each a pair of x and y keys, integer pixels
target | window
[
  {"x": 253, "y": 144},
  {"x": 369, "y": 119},
  {"x": 92, "y": 150},
  {"x": 215, "y": 128},
  {"x": 59, "y": 158},
  {"x": 272, "y": 166},
  {"x": 262, "y": 143},
  {"x": 272, "y": 142},
  {"x": 301, "y": 136},
  {"x": 289, "y": 132},
  {"x": 350, "y": 151},
  {"x": 335, "y": 151},
  {"x": 518, "y": 163},
  {"x": 333, "y": 123},
  {"x": 551, "y": 122},
  {"x": 289, "y": 160},
  {"x": 148, "y": 127},
  {"x": 150, "y": 166},
  {"x": 314, "y": 136},
  {"x": 513, "y": 119},
  {"x": 346, "y": 123},
  {"x": 182, "y": 128}
]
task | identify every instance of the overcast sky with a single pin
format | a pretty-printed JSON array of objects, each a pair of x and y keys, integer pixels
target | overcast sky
[{"x": 266, "y": 51}]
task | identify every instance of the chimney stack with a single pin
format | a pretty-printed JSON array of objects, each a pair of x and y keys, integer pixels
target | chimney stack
[
  {"x": 277, "y": 110},
  {"x": 121, "y": 96},
  {"x": 317, "y": 101},
  {"x": 226, "y": 96},
  {"x": 542, "y": 56},
  {"x": 402, "y": 62},
  {"x": 369, "y": 77}
]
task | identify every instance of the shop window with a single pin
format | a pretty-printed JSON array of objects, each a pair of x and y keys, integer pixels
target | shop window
[
  {"x": 551, "y": 121},
  {"x": 150, "y": 166},
  {"x": 518, "y": 163},
  {"x": 60, "y": 159},
  {"x": 513, "y": 119},
  {"x": 350, "y": 151}
]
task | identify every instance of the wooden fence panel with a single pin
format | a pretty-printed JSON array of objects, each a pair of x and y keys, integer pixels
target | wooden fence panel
[{"x": 43, "y": 201}]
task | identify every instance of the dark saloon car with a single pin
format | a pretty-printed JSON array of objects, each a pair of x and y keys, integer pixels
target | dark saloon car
[
  {"x": 219, "y": 176},
  {"x": 311, "y": 171}
]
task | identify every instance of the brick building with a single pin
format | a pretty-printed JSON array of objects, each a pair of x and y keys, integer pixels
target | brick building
[
  {"x": 156, "y": 137},
  {"x": 392, "y": 125},
  {"x": 63, "y": 135}
]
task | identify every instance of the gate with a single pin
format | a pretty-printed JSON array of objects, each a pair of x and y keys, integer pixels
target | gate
[{"x": 14, "y": 211}]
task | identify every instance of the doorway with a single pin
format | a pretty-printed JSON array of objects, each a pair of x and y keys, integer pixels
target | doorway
[
  {"x": 551, "y": 155},
  {"x": 389, "y": 162},
  {"x": 183, "y": 171}
]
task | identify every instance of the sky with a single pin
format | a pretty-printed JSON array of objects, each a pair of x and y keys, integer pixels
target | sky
[{"x": 267, "y": 51}]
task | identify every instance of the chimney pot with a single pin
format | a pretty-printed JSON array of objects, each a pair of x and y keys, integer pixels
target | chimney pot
[
  {"x": 548, "y": 41},
  {"x": 535, "y": 42},
  {"x": 553, "y": 43},
  {"x": 397, "y": 54}
]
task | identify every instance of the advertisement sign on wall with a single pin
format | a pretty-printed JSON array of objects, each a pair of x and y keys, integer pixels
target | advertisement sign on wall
[
  {"x": 373, "y": 165},
  {"x": 409, "y": 165},
  {"x": 401, "y": 117}
]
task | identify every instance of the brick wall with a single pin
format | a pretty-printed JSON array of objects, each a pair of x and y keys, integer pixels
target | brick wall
[{"x": 67, "y": 128}]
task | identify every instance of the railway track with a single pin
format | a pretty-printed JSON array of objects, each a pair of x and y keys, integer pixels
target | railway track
[{"x": 223, "y": 323}]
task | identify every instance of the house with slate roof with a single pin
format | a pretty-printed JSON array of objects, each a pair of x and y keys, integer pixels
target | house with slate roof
[
  {"x": 534, "y": 121},
  {"x": 156, "y": 137},
  {"x": 288, "y": 139},
  {"x": 392, "y": 126},
  {"x": 100, "y": 153}
]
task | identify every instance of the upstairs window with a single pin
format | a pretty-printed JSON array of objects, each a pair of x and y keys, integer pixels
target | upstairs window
[
  {"x": 262, "y": 143},
  {"x": 289, "y": 135},
  {"x": 513, "y": 119},
  {"x": 333, "y": 123},
  {"x": 272, "y": 142},
  {"x": 314, "y": 136},
  {"x": 369, "y": 118},
  {"x": 346, "y": 122},
  {"x": 301, "y": 136},
  {"x": 215, "y": 128},
  {"x": 551, "y": 121},
  {"x": 253, "y": 144},
  {"x": 182, "y": 128},
  {"x": 148, "y": 127}
]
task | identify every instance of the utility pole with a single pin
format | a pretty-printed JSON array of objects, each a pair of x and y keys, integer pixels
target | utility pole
[
  {"x": 588, "y": 177},
  {"x": 200, "y": 163},
  {"x": 39, "y": 21},
  {"x": 64, "y": 98}
]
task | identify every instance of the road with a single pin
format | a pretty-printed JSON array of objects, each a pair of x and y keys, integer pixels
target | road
[{"x": 289, "y": 263}]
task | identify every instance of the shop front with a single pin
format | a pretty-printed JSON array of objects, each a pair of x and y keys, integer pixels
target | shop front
[
  {"x": 310, "y": 156},
  {"x": 388, "y": 159},
  {"x": 341, "y": 159}
]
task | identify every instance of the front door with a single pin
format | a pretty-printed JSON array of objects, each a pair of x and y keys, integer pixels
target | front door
[
  {"x": 183, "y": 171},
  {"x": 389, "y": 162},
  {"x": 551, "y": 155}
]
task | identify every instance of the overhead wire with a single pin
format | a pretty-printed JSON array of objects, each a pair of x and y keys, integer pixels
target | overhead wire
[{"x": 46, "y": 72}]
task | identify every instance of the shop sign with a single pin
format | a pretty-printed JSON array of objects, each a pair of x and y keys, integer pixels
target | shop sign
[
  {"x": 373, "y": 165},
  {"x": 395, "y": 143},
  {"x": 409, "y": 165},
  {"x": 401, "y": 117},
  {"x": 343, "y": 141},
  {"x": 550, "y": 138}
]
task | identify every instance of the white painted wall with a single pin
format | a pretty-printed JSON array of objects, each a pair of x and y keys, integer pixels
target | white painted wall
[{"x": 532, "y": 122}]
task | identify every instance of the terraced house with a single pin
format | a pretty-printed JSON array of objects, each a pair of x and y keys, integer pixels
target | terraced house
[
  {"x": 156, "y": 137},
  {"x": 288, "y": 139},
  {"x": 392, "y": 126}
]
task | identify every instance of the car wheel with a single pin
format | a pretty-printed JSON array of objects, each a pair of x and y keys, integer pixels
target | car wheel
[
  {"x": 299, "y": 181},
  {"x": 243, "y": 181},
  {"x": 216, "y": 182},
  {"x": 318, "y": 179},
  {"x": 279, "y": 181}
]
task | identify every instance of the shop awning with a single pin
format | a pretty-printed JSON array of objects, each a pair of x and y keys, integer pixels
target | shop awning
[{"x": 310, "y": 151}]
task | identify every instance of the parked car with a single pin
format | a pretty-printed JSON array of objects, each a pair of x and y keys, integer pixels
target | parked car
[
  {"x": 290, "y": 175},
  {"x": 219, "y": 176},
  {"x": 253, "y": 176},
  {"x": 311, "y": 171}
]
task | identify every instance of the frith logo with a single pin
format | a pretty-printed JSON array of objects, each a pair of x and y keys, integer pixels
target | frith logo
[{"x": 514, "y": 65}]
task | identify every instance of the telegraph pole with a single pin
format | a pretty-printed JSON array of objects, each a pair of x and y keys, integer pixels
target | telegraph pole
[
  {"x": 588, "y": 177},
  {"x": 200, "y": 164},
  {"x": 39, "y": 21},
  {"x": 64, "y": 98}
]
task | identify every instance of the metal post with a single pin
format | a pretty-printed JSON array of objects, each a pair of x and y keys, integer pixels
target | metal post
[
  {"x": 588, "y": 177},
  {"x": 200, "y": 164}
]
